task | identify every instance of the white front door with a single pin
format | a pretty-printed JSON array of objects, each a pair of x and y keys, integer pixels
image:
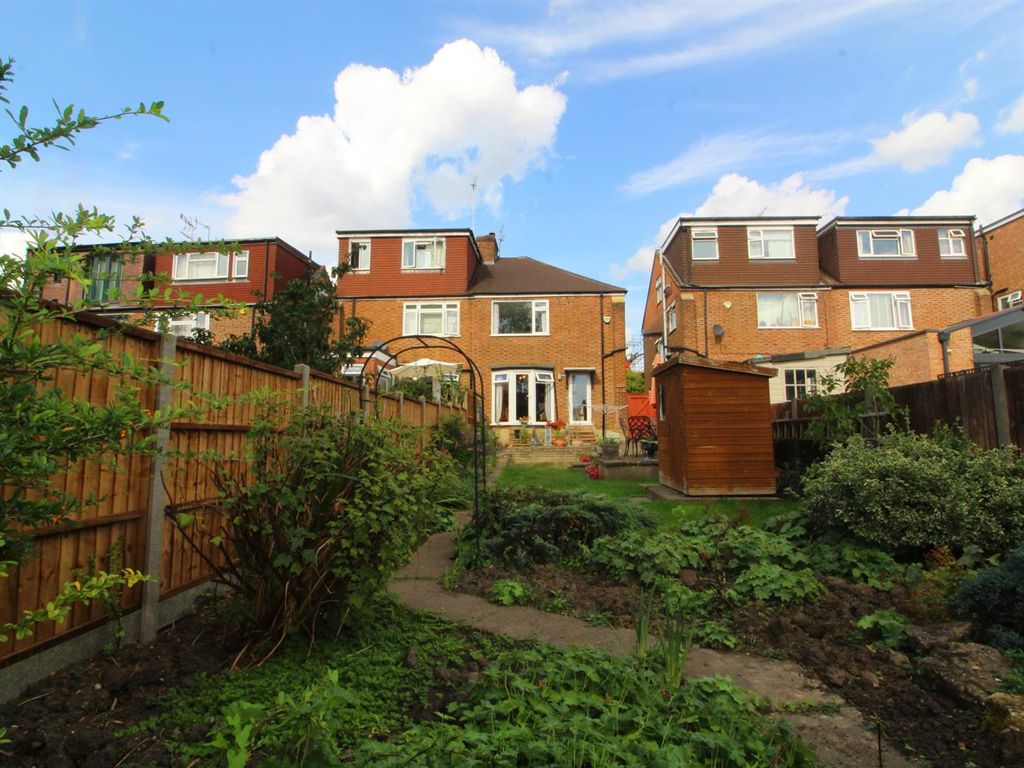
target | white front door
[{"x": 579, "y": 398}]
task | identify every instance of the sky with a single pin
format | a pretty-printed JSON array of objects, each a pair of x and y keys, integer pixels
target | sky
[{"x": 578, "y": 131}]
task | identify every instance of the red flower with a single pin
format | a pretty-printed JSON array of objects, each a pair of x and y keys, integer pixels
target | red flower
[{"x": 585, "y": 458}]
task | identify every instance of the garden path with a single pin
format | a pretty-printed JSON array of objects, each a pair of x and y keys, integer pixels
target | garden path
[{"x": 840, "y": 738}]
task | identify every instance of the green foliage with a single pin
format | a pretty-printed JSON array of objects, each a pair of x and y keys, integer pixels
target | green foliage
[
  {"x": 770, "y": 582},
  {"x": 910, "y": 490},
  {"x": 322, "y": 512},
  {"x": 455, "y": 436},
  {"x": 849, "y": 399},
  {"x": 1012, "y": 684},
  {"x": 585, "y": 708},
  {"x": 524, "y": 527},
  {"x": 414, "y": 388},
  {"x": 856, "y": 563},
  {"x": 993, "y": 599},
  {"x": 509, "y": 592},
  {"x": 295, "y": 326},
  {"x": 635, "y": 381},
  {"x": 887, "y": 627}
]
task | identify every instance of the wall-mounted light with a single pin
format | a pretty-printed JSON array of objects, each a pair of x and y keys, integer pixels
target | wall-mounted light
[
  {"x": 727, "y": 304},
  {"x": 607, "y": 319}
]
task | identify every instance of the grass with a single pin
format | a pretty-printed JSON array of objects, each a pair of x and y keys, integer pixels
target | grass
[{"x": 754, "y": 512}]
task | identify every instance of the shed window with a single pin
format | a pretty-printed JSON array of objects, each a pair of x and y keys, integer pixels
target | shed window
[{"x": 800, "y": 382}]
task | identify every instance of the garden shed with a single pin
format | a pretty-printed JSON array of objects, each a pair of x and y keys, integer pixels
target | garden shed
[{"x": 714, "y": 427}]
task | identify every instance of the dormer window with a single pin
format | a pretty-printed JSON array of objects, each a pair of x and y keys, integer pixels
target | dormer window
[
  {"x": 209, "y": 266},
  {"x": 423, "y": 254},
  {"x": 885, "y": 243},
  {"x": 359, "y": 255},
  {"x": 770, "y": 243},
  {"x": 951, "y": 244},
  {"x": 705, "y": 245}
]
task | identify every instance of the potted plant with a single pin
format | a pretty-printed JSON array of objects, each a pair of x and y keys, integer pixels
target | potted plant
[
  {"x": 558, "y": 425},
  {"x": 609, "y": 445}
]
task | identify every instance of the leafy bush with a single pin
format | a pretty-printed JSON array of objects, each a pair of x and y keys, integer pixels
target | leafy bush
[
  {"x": 770, "y": 582},
  {"x": 530, "y": 526},
  {"x": 855, "y": 563},
  {"x": 508, "y": 592},
  {"x": 887, "y": 627},
  {"x": 993, "y": 599},
  {"x": 910, "y": 490},
  {"x": 322, "y": 513},
  {"x": 583, "y": 707}
]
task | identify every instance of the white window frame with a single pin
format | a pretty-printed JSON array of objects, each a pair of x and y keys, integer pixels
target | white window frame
[
  {"x": 536, "y": 376},
  {"x": 221, "y": 262},
  {"x": 659, "y": 288},
  {"x": 953, "y": 238},
  {"x": 183, "y": 325},
  {"x": 809, "y": 385},
  {"x": 660, "y": 396},
  {"x": 450, "y": 320},
  {"x": 537, "y": 307},
  {"x": 242, "y": 257},
  {"x": 437, "y": 244},
  {"x": 1011, "y": 299},
  {"x": 671, "y": 315},
  {"x": 755, "y": 235},
  {"x": 903, "y": 237},
  {"x": 703, "y": 235},
  {"x": 807, "y": 310},
  {"x": 901, "y": 310},
  {"x": 364, "y": 255}
]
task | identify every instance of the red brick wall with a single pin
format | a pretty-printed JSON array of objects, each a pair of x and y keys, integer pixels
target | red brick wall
[
  {"x": 243, "y": 289},
  {"x": 574, "y": 342},
  {"x": 1006, "y": 257},
  {"x": 926, "y": 268},
  {"x": 387, "y": 278},
  {"x": 286, "y": 264},
  {"x": 918, "y": 357},
  {"x": 70, "y": 291}
]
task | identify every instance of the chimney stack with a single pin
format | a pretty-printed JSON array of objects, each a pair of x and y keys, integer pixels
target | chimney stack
[{"x": 488, "y": 245}]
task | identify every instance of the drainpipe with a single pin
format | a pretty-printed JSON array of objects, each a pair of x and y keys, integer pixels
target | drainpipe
[
  {"x": 944, "y": 341},
  {"x": 664, "y": 307},
  {"x": 266, "y": 279},
  {"x": 707, "y": 349},
  {"x": 604, "y": 401},
  {"x": 984, "y": 254}
]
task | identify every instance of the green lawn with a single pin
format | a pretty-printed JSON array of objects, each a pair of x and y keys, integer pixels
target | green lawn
[{"x": 753, "y": 511}]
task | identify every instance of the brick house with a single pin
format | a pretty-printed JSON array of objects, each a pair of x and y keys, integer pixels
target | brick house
[
  {"x": 778, "y": 291},
  {"x": 550, "y": 344},
  {"x": 1001, "y": 246},
  {"x": 258, "y": 266}
]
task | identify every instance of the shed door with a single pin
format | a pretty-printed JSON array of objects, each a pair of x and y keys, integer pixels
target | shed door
[{"x": 671, "y": 434}]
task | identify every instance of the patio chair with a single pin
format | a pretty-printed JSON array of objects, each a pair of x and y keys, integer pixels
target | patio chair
[{"x": 639, "y": 429}]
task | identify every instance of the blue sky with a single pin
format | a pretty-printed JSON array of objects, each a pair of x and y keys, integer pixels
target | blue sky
[{"x": 587, "y": 126}]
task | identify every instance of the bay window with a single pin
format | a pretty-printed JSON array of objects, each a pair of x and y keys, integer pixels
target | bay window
[
  {"x": 787, "y": 310},
  {"x": 431, "y": 319},
  {"x": 523, "y": 395},
  {"x": 880, "y": 311},
  {"x": 519, "y": 318}
]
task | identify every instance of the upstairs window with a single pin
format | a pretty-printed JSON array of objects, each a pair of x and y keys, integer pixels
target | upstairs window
[
  {"x": 423, "y": 254},
  {"x": 431, "y": 319},
  {"x": 519, "y": 318},
  {"x": 885, "y": 243},
  {"x": 705, "y": 245},
  {"x": 201, "y": 266},
  {"x": 104, "y": 277},
  {"x": 770, "y": 243},
  {"x": 951, "y": 244},
  {"x": 1008, "y": 300},
  {"x": 359, "y": 255},
  {"x": 240, "y": 267},
  {"x": 880, "y": 311},
  {"x": 184, "y": 326},
  {"x": 671, "y": 318},
  {"x": 787, "y": 310},
  {"x": 658, "y": 289}
]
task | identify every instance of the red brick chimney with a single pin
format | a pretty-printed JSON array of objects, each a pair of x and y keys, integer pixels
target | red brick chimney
[{"x": 488, "y": 245}]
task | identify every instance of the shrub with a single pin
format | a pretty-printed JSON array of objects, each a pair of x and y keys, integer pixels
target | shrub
[
  {"x": 914, "y": 491},
  {"x": 887, "y": 627},
  {"x": 530, "y": 526},
  {"x": 993, "y": 599},
  {"x": 509, "y": 592},
  {"x": 327, "y": 509}
]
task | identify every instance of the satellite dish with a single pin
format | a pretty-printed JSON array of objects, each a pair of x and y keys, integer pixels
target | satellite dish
[{"x": 718, "y": 330}]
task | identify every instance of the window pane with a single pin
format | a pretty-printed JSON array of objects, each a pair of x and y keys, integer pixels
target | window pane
[
  {"x": 452, "y": 321},
  {"x": 864, "y": 242},
  {"x": 541, "y": 398},
  {"x": 431, "y": 322},
  {"x": 241, "y": 265},
  {"x": 882, "y": 315},
  {"x": 886, "y": 246},
  {"x": 522, "y": 402},
  {"x": 907, "y": 240},
  {"x": 809, "y": 310},
  {"x": 222, "y": 265},
  {"x": 515, "y": 316},
  {"x": 778, "y": 244},
  {"x": 860, "y": 311},
  {"x": 705, "y": 249},
  {"x": 408, "y": 254},
  {"x": 410, "y": 321},
  {"x": 540, "y": 318},
  {"x": 778, "y": 310},
  {"x": 501, "y": 400},
  {"x": 944, "y": 247}
]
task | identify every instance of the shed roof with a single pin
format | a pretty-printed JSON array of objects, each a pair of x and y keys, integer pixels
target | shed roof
[{"x": 729, "y": 366}]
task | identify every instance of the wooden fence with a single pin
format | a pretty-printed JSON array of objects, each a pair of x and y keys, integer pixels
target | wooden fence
[
  {"x": 988, "y": 403},
  {"x": 134, "y": 494}
]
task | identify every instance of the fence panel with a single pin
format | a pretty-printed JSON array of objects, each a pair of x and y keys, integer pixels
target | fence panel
[{"x": 219, "y": 389}]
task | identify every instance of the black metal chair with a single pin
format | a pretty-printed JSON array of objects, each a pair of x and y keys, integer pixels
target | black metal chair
[{"x": 638, "y": 430}]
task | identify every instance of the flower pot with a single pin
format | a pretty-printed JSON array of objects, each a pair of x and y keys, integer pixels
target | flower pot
[
  {"x": 559, "y": 442},
  {"x": 610, "y": 450}
]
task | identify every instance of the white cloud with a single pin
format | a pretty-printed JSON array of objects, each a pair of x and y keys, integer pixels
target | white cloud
[
  {"x": 396, "y": 140},
  {"x": 711, "y": 156},
  {"x": 1012, "y": 118},
  {"x": 987, "y": 188},
  {"x": 128, "y": 151},
  {"x": 971, "y": 88},
  {"x": 735, "y": 195},
  {"x": 13, "y": 242},
  {"x": 923, "y": 141}
]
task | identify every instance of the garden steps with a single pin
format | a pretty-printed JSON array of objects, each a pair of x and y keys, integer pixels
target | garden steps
[{"x": 840, "y": 738}]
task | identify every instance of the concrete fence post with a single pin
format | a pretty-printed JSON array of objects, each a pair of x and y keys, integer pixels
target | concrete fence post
[
  {"x": 303, "y": 370},
  {"x": 157, "y": 495},
  {"x": 1000, "y": 405}
]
